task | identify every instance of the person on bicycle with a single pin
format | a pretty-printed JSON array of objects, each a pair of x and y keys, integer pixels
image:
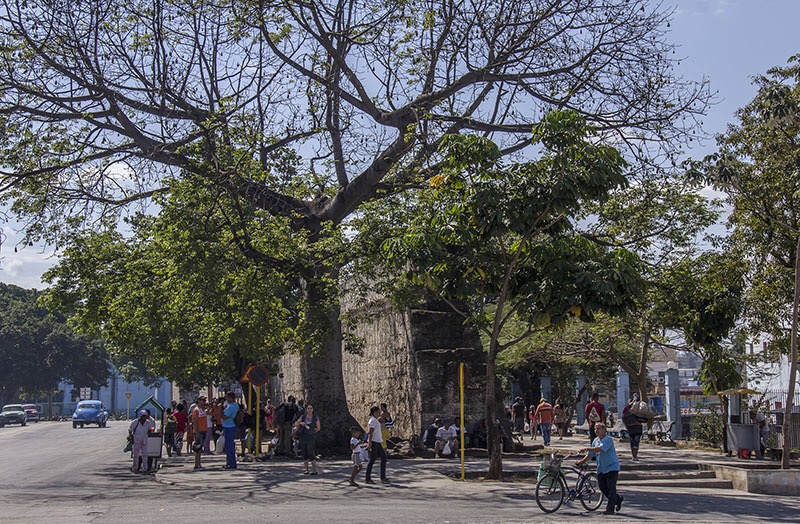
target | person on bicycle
[{"x": 607, "y": 467}]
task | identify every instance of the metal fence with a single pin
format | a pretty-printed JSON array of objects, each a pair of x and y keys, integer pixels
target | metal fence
[{"x": 771, "y": 402}]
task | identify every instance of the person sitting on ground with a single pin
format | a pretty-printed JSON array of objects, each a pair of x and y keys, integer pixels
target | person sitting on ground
[
  {"x": 429, "y": 437},
  {"x": 446, "y": 440},
  {"x": 477, "y": 434}
]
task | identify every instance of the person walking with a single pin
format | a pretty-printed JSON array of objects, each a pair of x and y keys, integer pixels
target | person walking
[
  {"x": 356, "y": 448},
  {"x": 633, "y": 425},
  {"x": 560, "y": 419},
  {"x": 306, "y": 428},
  {"x": 229, "y": 429},
  {"x": 544, "y": 414},
  {"x": 374, "y": 440},
  {"x": 607, "y": 467},
  {"x": 140, "y": 428},
  {"x": 595, "y": 412}
]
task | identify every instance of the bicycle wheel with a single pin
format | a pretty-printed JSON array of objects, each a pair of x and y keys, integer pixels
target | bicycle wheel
[
  {"x": 590, "y": 494},
  {"x": 550, "y": 493}
]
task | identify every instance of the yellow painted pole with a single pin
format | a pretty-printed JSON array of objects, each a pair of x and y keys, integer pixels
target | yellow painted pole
[
  {"x": 462, "y": 422},
  {"x": 249, "y": 408},
  {"x": 258, "y": 421}
]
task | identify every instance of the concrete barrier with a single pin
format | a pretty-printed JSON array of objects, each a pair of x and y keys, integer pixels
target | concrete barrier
[{"x": 759, "y": 480}]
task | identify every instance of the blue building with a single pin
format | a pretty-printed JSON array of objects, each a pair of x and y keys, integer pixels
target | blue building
[{"x": 114, "y": 395}]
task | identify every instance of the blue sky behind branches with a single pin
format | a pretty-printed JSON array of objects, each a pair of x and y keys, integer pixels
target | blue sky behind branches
[{"x": 725, "y": 41}]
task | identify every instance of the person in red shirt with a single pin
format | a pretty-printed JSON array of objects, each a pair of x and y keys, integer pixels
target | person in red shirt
[
  {"x": 544, "y": 414},
  {"x": 595, "y": 412},
  {"x": 182, "y": 418}
]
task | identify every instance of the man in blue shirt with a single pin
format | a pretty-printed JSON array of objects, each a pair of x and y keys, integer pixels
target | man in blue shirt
[
  {"x": 229, "y": 429},
  {"x": 607, "y": 467}
]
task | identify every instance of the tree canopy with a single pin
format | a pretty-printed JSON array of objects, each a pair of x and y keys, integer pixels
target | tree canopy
[
  {"x": 38, "y": 349},
  {"x": 498, "y": 241}
]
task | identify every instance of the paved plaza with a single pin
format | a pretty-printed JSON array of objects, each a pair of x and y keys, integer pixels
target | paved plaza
[{"x": 56, "y": 474}]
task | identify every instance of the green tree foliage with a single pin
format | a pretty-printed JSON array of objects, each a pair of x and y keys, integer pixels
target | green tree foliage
[
  {"x": 178, "y": 294},
  {"x": 757, "y": 168},
  {"x": 497, "y": 241},
  {"x": 104, "y": 103},
  {"x": 38, "y": 349}
]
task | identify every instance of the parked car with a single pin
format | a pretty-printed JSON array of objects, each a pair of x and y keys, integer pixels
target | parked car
[
  {"x": 31, "y": 412},
  {"x": 13, "y": 414},
  {"x": 90, "y": 412}
]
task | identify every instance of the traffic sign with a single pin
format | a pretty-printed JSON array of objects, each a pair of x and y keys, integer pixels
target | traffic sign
[
  {"x": 258, "y": 375},
  {"x": 86, "y": 393},
  {"x": 127, "y": 395}
]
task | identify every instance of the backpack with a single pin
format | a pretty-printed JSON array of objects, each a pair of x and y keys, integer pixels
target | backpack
[
  {"x": 594, "y": 416},
  {"x": 239, "y": 419}
]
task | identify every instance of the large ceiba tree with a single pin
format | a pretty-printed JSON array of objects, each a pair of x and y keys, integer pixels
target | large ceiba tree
[{"x": 104, "y": 104}]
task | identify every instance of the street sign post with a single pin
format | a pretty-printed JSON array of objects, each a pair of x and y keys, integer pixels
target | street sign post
[{"x": 128, "y": 404}]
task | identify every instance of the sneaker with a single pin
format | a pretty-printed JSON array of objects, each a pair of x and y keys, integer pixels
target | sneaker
[
  {"x": 354, "y": 484},
  {"x": 315, "y": 473},
  {"x": 385, "y": 481},
  {"x": 369, "y": 481},
  {"x": 607, "y": 512},
  {"x": 437, "y": 456},
  {"x": 620, "y": 498},
  {"x": 199, "y": 468}
]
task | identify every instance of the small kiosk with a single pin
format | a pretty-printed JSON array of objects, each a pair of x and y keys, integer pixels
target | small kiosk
[{"x": 155, "y": 440}]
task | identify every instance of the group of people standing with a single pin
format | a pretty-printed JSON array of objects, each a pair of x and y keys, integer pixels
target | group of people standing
[{"x": 540, "y": 418}]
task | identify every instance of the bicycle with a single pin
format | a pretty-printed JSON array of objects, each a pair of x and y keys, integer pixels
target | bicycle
[{"x": 552, "y": 488}]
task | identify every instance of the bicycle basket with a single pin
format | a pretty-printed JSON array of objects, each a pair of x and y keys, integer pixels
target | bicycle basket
[{"x": 554, "y": 465}]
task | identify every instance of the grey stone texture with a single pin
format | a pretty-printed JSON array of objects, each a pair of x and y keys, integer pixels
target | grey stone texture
[{"x": 407, "y": 359}]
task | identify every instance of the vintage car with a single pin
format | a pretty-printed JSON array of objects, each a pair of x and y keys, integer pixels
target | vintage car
[
  {"x": 89, "y": 412},
  {"x": 32, "y": 412},
  {"x": 13, "y": 414}
]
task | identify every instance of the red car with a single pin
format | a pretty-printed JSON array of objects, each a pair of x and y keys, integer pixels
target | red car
[{"x": 32, "y": 411}]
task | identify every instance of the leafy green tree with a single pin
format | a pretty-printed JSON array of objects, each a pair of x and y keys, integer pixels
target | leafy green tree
[
  {"x": 756, "y": 167},
  {"x": 177, "y": 294},
  {"x": 103, "y": 104},
  {"x": 497, "y": 242},
  {"x": 38, "y": 349}
]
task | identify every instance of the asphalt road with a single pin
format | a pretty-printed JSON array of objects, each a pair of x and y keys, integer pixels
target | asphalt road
[{"x": 54, "y": 474}]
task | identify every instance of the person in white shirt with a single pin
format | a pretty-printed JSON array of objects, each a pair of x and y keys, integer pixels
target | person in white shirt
[
  {"x": 139, "y": 429},
  {"x": 446, "y": 436},
  {"x": 374, "y": 440}
]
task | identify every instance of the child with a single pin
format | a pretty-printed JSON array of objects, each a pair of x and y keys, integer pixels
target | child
[{"x": 356, "y": 448}]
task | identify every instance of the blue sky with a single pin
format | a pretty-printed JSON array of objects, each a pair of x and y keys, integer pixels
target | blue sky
[{"x": 724, "y": 41}]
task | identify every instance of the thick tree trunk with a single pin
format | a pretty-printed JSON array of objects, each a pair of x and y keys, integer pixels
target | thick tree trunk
[
  {"x": 323, "y": 380},
  {"x": 787, "y": 415}
]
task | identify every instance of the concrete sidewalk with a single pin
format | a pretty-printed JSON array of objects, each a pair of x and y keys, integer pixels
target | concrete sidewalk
[{"x": 427, "y": 490}]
